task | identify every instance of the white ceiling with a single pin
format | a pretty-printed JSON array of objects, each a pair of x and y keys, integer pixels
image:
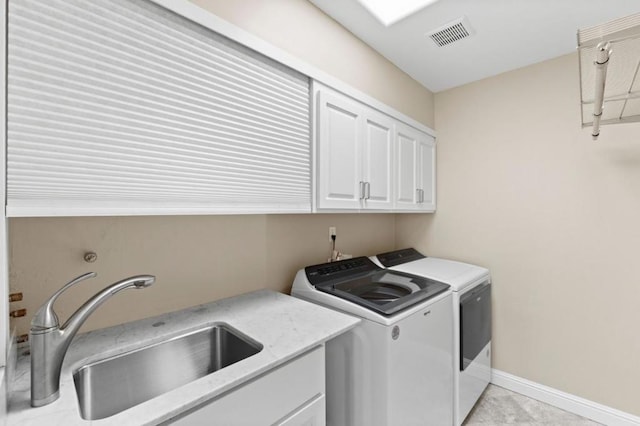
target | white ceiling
[{"x": 510, "y": 34}]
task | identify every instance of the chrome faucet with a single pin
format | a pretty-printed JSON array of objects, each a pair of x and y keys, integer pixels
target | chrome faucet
[{"x": 49, "y": 341}]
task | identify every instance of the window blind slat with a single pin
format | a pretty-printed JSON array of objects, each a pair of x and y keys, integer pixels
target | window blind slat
[{"x": 124, "y": 101}]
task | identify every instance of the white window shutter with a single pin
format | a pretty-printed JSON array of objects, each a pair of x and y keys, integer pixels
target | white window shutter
[{"x": 123, "y": 107}]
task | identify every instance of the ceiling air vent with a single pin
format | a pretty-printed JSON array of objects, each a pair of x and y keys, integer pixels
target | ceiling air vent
[{"x": 451, "y": 32}]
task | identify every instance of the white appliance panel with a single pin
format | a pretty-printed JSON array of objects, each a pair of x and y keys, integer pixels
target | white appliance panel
[
  {"x": 422, "y": 374},
  {"x": 375, "y": 380},
  {"x": 473, "y": 381},
  {"x": 468, "y": 384}
]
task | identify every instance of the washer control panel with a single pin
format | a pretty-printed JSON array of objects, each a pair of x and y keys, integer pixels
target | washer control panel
[{"x": 318, "y": 274}]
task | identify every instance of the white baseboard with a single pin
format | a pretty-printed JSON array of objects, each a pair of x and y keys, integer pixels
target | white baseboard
[
  {"x": 574, "y": 404},
  {"x": 3, "y": 397}
]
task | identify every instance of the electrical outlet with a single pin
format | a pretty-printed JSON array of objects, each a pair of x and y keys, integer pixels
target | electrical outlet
[{"x": 332, "y": 232}]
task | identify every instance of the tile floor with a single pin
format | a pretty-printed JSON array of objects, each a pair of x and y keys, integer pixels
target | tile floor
[{"x": 498, "y": 406}]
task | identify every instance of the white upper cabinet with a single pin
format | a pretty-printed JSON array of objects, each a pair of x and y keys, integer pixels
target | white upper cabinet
[
  {"x": 427, "y": 173},
  {"x": 367, "y": 160},
  {"x": 123, "y": 107},
  {"x": 355, "y": 154},
  {"x": 407, "y": 168},
  {"x": 415, "y": 170},
  {"x": 377, "y": 161},
  {"x": 339, "y": 162}
]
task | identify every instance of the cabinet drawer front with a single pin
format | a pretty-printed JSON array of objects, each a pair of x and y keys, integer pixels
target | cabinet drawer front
[
  {"x": 267, "y": 399},
  {"x": 312, "y": 413}
]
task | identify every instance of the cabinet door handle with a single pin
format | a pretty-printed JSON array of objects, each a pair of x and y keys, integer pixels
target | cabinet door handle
[
  {"x": 361, "y": 190},
  {"x": 367, "y": 190},
  {"x": 422, "y": 196},
  {"x": 418, "y": 196}
]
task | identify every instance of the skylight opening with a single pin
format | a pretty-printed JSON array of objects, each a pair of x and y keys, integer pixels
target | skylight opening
[{"x": 388, "y": 12}]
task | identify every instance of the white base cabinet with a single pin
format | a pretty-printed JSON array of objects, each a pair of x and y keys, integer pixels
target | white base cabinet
[
  {"x": 292, "y": 395},
  {"x": 369, "y": 161}
]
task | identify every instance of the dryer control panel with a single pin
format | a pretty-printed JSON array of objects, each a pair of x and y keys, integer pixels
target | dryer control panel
[{"x": 398, "y": 257}]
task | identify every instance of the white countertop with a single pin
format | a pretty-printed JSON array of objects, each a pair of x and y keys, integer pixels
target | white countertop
[{"x": 285, "y": 326}]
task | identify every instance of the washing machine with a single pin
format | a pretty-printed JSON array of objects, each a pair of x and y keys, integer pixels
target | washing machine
[
  {"x": 395, "y": 367},
  {"x": 471, "y": 286}
]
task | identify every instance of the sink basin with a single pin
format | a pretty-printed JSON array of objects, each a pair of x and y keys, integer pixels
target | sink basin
[{"x": 111, "y": 385}]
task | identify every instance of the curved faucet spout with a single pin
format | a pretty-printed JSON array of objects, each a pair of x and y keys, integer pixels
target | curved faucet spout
[
  {"x": 78, "y": 318},
  {"x": 49, "y": 341}
]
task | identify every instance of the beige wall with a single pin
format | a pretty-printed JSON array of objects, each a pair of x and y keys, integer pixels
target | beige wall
[
  {"x": 523, "y": 190},
  {"x": 198, "y": 258}
]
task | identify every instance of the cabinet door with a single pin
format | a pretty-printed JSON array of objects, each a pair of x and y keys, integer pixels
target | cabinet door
[
  {"x": 377, "y": 165},
  {"x": 406, "y": 168},
  {"x": 415, "y": 170},
  {"x": 338, "y": 152},
  {"x": 426, "y": 168}
]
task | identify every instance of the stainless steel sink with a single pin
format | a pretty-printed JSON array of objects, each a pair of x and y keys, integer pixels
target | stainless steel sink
[{"x": 109, "y": 386}]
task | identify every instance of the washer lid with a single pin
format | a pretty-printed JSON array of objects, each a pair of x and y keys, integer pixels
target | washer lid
[{"x": 362, "y": 282}]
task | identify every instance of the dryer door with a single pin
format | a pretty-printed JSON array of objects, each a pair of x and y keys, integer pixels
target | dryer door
[{"x": 475, "y": 323}]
